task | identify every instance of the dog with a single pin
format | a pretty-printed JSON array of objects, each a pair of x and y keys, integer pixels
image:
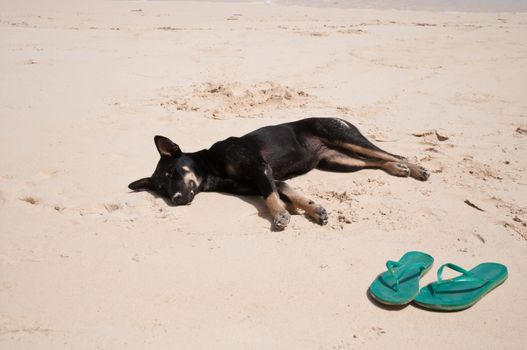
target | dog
[{"x": 259, "y": 162}]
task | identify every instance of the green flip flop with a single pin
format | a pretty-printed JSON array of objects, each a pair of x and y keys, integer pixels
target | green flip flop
[
  {"x": 400, "y": 284},
  {"x": 463, "y": 291}
]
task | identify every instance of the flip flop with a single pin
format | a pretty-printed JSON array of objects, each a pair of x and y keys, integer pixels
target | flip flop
[
  {"x": 400, "y": 284},
  {"x": 463, "y": 291}
]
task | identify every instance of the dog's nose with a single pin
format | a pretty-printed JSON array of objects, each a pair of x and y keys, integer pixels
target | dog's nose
[{"x": 176, "y": 196}]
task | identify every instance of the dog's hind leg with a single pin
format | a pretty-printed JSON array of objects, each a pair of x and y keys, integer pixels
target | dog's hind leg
[
  {"x": 342, "y": 135},
  {"x": 341, "y": 162},
  {"x": 315, "y": 211}
]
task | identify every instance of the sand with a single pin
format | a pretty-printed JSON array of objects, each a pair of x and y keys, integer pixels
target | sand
[{"x": 87, "y": 264}]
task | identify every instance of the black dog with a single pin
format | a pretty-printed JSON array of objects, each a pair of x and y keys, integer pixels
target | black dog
[{"x": 259, "y": 162}]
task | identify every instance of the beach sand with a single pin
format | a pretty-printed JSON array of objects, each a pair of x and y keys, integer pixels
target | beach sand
[{"x": 87, "y": 264}]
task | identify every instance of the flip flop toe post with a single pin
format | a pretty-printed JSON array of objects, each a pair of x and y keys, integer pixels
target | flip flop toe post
[
  {"x": 463, "y": 291},
  {"x": 399, "y": 285}
]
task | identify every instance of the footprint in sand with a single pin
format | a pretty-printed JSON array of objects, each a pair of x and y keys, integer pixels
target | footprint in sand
[
  {"x": 111, "y": 207},
  {"x": 432, "y": 163},
  {"x": 480, "y": 170}
]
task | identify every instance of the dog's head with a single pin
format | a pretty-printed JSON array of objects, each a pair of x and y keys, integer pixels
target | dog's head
[{"x": 175, "y": 176}]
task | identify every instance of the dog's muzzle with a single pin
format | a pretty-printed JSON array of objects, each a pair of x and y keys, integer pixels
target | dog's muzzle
[{"x": 179, "y": 199}]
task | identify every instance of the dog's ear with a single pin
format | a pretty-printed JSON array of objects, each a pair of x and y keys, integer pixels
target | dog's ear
[
  {"x": 166, "y": 147},
  {"x": 142, "y": 185}
]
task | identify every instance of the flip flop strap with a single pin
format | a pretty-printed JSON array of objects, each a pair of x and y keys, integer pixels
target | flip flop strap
[
  {"x": 391, "y": 265},
  {"x": 466, "y": 276}
]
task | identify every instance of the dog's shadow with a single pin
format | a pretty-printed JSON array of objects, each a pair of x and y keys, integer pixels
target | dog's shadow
[
  {"x": 263, "y": 211},
  {"x": 255, "y": 201},
  {"x": 258, "y": 203},
  {"x": 156, "y": 195}
]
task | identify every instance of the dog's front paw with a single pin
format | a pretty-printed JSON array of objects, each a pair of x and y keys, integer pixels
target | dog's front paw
[
  {"x": 281, "y": 220},
  {"x": 321, "y": 215}
]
